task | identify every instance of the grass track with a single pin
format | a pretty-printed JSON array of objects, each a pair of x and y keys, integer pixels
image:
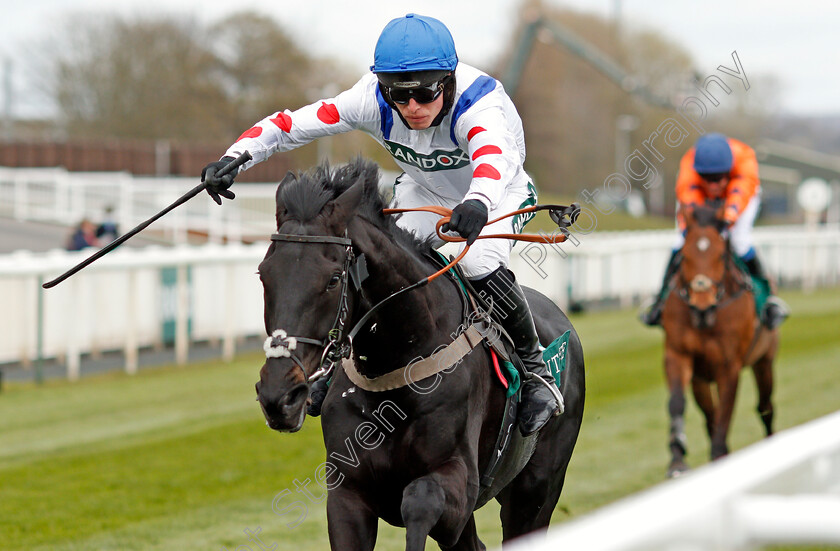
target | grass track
[{"x": 179, "y": 458}]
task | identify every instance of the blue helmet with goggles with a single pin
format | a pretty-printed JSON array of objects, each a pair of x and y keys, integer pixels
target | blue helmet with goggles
[
  {"x": 712, "y": 155},
  {"x": 414, "y": 43},
  {"x": 415, "y": 59}
]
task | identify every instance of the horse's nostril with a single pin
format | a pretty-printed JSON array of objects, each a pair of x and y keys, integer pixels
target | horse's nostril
[
  {"x": 701, "y": 283},
  {"x": 295, "y": 396}
]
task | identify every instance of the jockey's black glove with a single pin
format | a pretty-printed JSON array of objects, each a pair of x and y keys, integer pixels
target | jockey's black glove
[
  {"x": 218, "y": 187},
  {"x": 468, "y": 219}
]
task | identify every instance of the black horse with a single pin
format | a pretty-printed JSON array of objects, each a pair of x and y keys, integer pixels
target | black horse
[{"x": 413, "y": 456}]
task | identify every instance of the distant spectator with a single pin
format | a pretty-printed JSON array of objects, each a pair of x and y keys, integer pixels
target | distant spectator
[
  {"x": 84, "y": 236},
  {"x": 107, "y": 230}
]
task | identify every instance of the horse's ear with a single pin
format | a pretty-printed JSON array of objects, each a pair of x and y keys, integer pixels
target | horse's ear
[
  {"x": 279, "y": 205},
  {"x": 278, "y": 197},
  {"x": 345, "y": 205},
  {"x": 688, "y": 212}
]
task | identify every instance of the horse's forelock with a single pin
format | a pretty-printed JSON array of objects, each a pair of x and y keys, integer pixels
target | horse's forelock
[
  {"x": 705, "y": 216},
  {"x": 301, "y": 196}
]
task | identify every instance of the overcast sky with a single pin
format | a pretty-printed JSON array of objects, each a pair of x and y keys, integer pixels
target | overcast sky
[{"x": 795, "y": 41}]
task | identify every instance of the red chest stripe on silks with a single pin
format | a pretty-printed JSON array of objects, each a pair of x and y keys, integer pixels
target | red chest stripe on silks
[
  {"x": 252, "y": 132},
  {"x": 473, "y": 131},
  {"x": 486, "y": 171},
  {"x": 283, "y": 122},
  {"x": 328, "y": 113},
  {"x": 486, "y": 150}
]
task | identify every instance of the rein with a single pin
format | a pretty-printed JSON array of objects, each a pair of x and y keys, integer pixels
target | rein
[{"x": 338, "y": 345}]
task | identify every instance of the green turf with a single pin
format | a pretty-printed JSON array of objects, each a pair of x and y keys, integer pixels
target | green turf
[{"x": 180, "y": 458}]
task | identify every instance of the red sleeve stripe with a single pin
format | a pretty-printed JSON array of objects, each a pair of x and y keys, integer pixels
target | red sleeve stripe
[
  {"x": 486, "y": 150},
  {"x": 486, "y": 171},
  {"x": 283, "y": 122},
  {"x": 473, "y": 131},
  {"x": 328, "y": 113},
  {"x": 252, "y": 132}
]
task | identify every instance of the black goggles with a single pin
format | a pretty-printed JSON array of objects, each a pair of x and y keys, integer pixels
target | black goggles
[
  {"x": 421, "y": 94},
  {"x": 714, "y": 177}
]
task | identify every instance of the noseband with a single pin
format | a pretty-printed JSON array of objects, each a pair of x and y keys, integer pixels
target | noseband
[{"x": 335, "y": 346}]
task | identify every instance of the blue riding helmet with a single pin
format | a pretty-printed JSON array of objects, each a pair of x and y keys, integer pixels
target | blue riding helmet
[
  {"x": 712, "y": 155},
  {"x": 414, "y": 43}
]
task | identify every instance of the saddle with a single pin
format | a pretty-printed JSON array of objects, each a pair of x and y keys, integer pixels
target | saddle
[{"x": 508, "y": 369}]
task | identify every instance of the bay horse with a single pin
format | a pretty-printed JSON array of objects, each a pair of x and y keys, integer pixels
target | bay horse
[
  {"x": 415, "y": 455},
  {"x": 712, "y": 330}
]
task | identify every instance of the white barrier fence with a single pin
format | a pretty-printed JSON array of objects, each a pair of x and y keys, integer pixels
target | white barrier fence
[
  {"x": 625, "y": 266},
  {"x": 136, "y": 298},
  {"x": 782, "y": 490},
  {"x": 57, "y": 196},
  {"x": 129, "y": 299}
]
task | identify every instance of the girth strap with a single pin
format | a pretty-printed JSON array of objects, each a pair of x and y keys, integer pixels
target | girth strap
[{"x": 419, "y": 370}]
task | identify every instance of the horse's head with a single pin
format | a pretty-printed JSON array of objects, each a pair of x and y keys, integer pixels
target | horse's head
[
  {"x": 306, "y": 279},
  {"x": 703, "y": 265}
]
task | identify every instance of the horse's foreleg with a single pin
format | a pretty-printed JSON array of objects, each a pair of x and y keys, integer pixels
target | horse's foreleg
[
  {"x": 703, "y": 396},
  {"x": 438, "y": 503},
  {"x": 422, "y": 506},
  {"x": 469, "y": 539},
  {"x": 677, "y": 369},
  {"x": 727, "y": 384},
  {"x": 350, "y": 522},
  {"x": 763, "y": 372}
]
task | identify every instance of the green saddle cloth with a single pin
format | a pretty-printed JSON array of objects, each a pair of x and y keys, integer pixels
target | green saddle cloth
[
  {"x": 554, "y": 356},
  {"x": 760, "y": 286}
]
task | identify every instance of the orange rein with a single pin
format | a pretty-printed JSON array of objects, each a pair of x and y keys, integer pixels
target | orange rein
[{"x": 446, "y": 214}]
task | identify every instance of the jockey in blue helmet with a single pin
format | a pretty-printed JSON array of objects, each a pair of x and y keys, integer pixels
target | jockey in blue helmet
[{"x": 458, "y": 138}]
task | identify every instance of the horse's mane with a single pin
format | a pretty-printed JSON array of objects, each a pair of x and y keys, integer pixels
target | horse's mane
[{"x": 302, "y": 196}]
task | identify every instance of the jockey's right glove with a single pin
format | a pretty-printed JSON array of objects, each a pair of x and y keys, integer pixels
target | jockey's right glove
[
  {"x": 218, "y": 187},
  {"x": 468, "y": 219}
]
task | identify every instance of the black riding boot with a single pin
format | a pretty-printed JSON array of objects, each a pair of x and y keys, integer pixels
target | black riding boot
[
  {"x": 653, "y": 315},
  {"x": 775, "y": 310},
  {"x": 539, "y": 402},
  {"x": 317, "y": 393}
]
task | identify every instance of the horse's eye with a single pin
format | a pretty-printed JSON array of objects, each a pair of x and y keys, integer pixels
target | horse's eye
[{"x": 334, "y": 281}]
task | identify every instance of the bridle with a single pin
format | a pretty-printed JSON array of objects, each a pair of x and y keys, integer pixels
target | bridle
[
  {"x": 702, "y": 282},
  {"x": 336, "y": 345}
]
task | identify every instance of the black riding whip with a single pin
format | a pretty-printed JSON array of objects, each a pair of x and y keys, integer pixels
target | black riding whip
[{"x": 231, "y": 166}]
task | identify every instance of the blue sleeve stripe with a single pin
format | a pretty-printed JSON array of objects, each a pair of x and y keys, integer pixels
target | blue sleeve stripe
[
  {"x": 482, "y": 86},
  {"x": 386, "y": 115}
]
